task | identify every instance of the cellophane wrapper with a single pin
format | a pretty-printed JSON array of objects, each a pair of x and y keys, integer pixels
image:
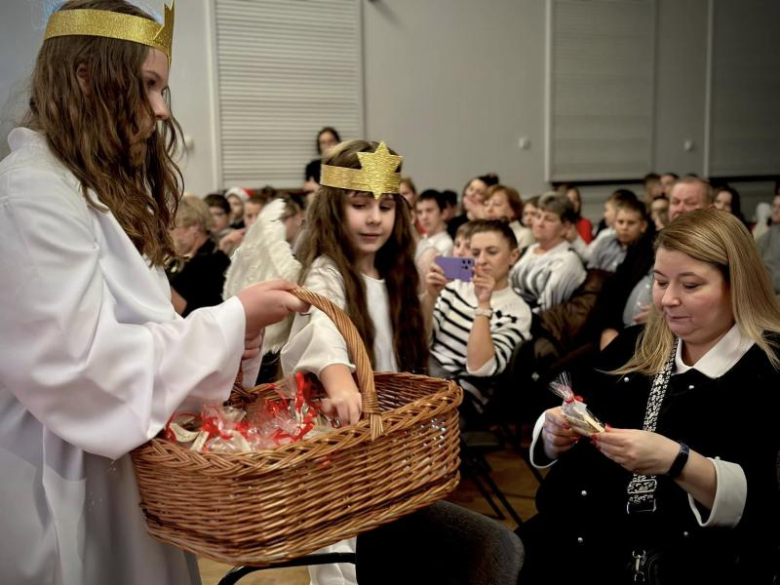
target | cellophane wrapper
[
  {"x": 575, "y": 411},
  {"x": 291, "y": 415}
]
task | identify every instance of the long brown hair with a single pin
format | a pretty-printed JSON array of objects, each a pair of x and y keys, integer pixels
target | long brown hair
[
  {"x": 97, "y": 135},
  {"x": 720, "y": 239},
  {"x": 326, "y": 235}
]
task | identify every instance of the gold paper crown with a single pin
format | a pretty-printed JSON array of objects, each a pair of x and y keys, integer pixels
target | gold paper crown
[
  {"x": 378, "y": 173},
  {"x": 114, "y": 25}
]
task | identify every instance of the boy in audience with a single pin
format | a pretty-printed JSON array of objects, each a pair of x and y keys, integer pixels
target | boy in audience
[
  {"x": 629, "y": 225},
  {"x": 430, "y": 214},
  {"x": 462, "y": 247}
]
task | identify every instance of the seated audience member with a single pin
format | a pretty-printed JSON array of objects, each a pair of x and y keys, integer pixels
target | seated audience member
[
  {"x": 549, "y": 271},
  {"x": 293, "y": 218},
  {"x": 582, "y": 224},
  {"x": 408, "y": 191},
  {"x": 475, "y": 325},
  {"x": 254, "y": 206},
  {"x": 667, "y": 182},
  {"x": 220, "y": 211},
  {"x": 462, "y": 246},
  {"x": 237, "y": 196},
  {"x": 769, "y": 245},
  {"x": 430, "y": 207},
  {"x": 505, "y": 203},
  {"x": 629, "y": 225},
  {"x": 681, "y": 487},
  {"x": 606, "y": 228},
  {"x": 653, "y": 187},
  {"x": 326, "y": 138},
  {"x": 688, "y": 194},
  {"x": 198, "y": 276},
  {"x": 728, "y": 199},
  {"x": 472, "y": 201},
  {"x": 451, "y": 204},
  {"x": 530, "y": 211},
  {"x": 659, "y": 212}
]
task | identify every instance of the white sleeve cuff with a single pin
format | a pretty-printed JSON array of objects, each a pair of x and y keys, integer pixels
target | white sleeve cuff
[
  {"x": 730, "y": 496},
  {"x": 487, "y": 369},
  {"x": 536, "y": 434}
]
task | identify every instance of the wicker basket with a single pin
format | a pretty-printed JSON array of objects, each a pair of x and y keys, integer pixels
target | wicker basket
[{"x": 270, "y": 506}]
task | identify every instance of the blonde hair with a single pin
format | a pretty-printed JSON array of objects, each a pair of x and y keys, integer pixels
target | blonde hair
[
  {"x": 718, "y": 238},
  {"x": 194, "y": 211}
]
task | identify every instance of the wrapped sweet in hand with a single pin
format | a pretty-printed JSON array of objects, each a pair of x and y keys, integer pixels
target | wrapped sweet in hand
[{"x": 575, "y": 411}]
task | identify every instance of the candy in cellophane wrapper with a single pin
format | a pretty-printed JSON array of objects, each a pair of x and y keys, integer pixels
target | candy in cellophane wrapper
[
  {"x": 575, "y": 411},
  {"x": 291, "y": 415}
]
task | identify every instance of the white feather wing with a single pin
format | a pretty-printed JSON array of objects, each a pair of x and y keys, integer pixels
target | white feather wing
[{"x": 264, "y": 255}]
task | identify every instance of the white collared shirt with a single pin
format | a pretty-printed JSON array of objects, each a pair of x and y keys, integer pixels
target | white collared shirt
[{"x": 723, "y": 356}]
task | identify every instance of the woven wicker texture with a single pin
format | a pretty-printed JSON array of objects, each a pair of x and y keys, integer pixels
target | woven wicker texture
[{"x": 270, "y": 506}]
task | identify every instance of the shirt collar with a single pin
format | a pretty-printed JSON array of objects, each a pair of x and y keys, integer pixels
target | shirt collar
[{"x": 720, "y": 358}]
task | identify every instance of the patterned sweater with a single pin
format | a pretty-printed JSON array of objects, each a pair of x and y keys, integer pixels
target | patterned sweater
[{"x": 453, "y": 317}]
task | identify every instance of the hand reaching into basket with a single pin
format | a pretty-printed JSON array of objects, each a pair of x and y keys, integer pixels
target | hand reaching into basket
[
  {"x": 344, "y": 399},
  {"x": 266, "y": 303}
]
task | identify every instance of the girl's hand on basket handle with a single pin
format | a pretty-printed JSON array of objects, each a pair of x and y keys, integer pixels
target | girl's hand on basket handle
[
  {"x": 266, "y": 303},
  {"x": 344, "y": 400}
]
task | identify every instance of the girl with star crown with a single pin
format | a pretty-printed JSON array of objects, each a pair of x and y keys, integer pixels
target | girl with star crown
[
  {"x": 358, "y": 251},
  {"x": 99, "y": 359}
]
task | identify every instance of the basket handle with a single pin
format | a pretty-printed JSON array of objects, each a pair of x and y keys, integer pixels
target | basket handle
[{"x": 357, "y": 349}]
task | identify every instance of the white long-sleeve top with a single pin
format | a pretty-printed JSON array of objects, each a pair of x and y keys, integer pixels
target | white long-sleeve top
[
  {"x": 94, "y": 362},
  {"x": 314, "y": 341}
]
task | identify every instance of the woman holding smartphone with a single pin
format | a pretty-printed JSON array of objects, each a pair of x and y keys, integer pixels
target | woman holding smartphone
[{"x": 476, "y": 324}]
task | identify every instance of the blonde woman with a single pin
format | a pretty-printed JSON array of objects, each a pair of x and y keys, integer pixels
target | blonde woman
[
  {"x": 683, "y": 485},
  {"x": 197, "y": 277}
]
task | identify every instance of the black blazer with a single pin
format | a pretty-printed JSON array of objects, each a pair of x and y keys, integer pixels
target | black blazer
[{"x": 582, "y": 502}]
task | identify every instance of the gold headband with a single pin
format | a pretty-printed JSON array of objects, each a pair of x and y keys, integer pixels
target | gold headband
[
  {"x": 377, "y": 173},
  {"x": 114, "y": 25}
]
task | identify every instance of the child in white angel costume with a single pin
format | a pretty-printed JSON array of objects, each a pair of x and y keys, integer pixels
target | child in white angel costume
[{"x": 357, "y": 251}]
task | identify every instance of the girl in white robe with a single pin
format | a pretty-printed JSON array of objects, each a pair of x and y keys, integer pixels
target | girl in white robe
[
  {"x": 95, "y": 359},
  {"x": 358, "y": 252}
]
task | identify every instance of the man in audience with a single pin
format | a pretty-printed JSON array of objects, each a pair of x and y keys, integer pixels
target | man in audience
[
  {"x": 769, "y": 245},
  {"x": 687, "y": 194},
  {"x": 430, "y": 213}
]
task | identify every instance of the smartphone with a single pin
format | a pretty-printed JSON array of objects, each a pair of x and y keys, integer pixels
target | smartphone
[{"x": 460, "y": 268}]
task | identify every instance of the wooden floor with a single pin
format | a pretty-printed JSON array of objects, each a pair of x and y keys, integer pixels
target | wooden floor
[{"x": 509, "y": 472}]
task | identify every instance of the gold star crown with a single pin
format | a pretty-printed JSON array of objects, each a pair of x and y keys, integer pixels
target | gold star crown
[
  {"x": 114, "y": 25},
  {"x": 378, "y": 173}
]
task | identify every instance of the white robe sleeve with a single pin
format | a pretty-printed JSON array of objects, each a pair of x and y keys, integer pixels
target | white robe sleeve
[
  {"x": 315, "y": 342},
  {"x": 102, "y": 385}
]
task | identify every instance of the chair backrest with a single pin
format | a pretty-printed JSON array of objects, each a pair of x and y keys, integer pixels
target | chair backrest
[{"x": 443, "y": 543}]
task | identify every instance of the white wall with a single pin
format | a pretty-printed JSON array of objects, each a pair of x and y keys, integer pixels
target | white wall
[{"x": 454, "y": 84}]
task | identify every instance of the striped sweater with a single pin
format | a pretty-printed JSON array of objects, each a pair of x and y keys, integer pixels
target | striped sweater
[{"x": 453, "y": 316}]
